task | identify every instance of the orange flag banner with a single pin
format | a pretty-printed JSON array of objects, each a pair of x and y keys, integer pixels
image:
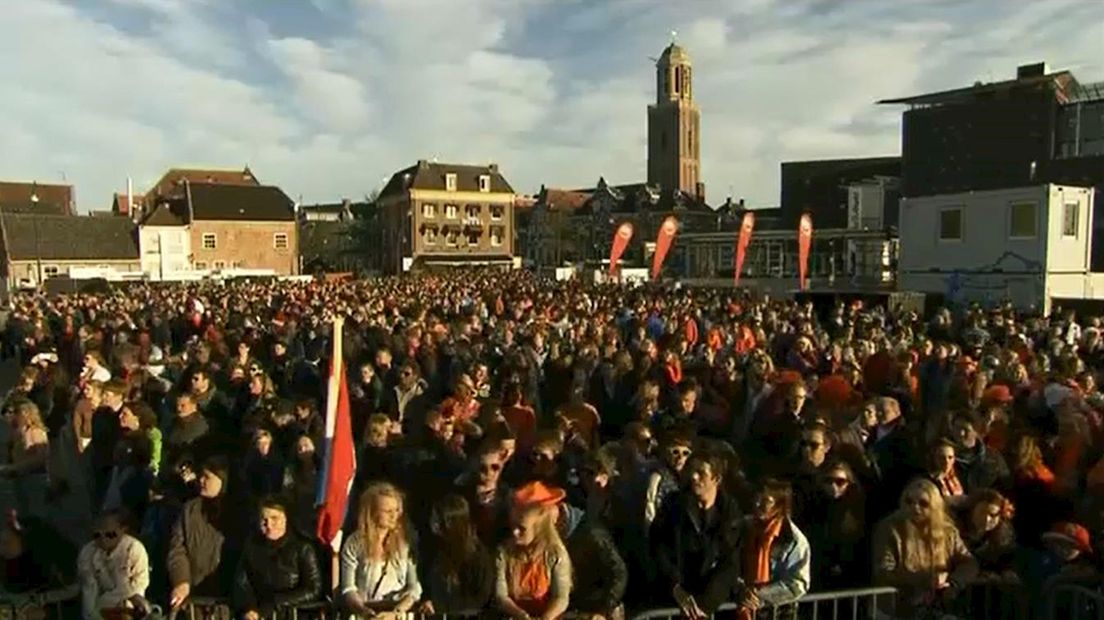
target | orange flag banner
[
  {"x": 663, "y": 244},
  {"x": 621, "y": 240},
  {"x": 804, "y": 241},
  {"x": 747, "y": 226}
]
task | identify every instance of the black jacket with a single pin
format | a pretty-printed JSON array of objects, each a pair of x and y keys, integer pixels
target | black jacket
[
  {"x": 600, "y": 576},
  {"x": 277, "y": 574},
  {"x": 693, "y": 552}
]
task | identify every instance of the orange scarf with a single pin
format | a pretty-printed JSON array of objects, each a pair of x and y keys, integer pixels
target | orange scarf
[
  {"x": 534, "y": 586},
  {"x": 759, "y": 538},
  {"x": 950, "y": 484}
]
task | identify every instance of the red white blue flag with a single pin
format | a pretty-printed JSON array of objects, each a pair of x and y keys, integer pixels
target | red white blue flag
[{"x": 339, "y": 454}]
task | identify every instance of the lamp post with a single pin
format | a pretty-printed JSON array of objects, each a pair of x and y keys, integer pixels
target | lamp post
[{"x": 38, "y": 252}]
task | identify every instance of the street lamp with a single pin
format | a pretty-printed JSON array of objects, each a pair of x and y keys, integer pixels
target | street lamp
[{"x": 38, "y": 252}]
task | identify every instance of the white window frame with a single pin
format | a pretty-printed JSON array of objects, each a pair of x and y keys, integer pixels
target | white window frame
[
  {"x": 1075, "y": 208},
  {"x": 485, "y": 183},
  {"x": 201, "y": 265},
  {"x": 452, "y": 238},
  {"x": 276, "y": 241},
  {"x": 50, "y": 271},
  {"x": 496, "y": 235},
  {"x": 450, "y": 181},
  {"x": 429, "y": 236},
  {"x": 451, "y": 212},
  {"x": 212, "y": 237},
  {"x": 219, "y": 265},
  {"x": 961, "y": 225},
  {"x": 1034, "y": 219},
  {"x": 429, "y": 210},
  {"x": 497, "y": 212}
]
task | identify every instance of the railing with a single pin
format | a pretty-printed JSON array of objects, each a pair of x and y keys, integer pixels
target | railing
[
  {"x": 52, "y": 604},
  {"x": 1070, "y": 602},
  {"x": 853, "y": 604},
  {"x": 206, "y": 608}
]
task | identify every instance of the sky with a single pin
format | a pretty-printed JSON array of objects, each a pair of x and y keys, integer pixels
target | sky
[{"x": 326, "y": 98}]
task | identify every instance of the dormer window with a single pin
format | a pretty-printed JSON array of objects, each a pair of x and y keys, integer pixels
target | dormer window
[
  {"x": 450, "y": 182},
  {"x": 484, "y": 183}
]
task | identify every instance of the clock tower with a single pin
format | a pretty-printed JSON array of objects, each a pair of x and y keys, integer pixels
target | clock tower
[{"x": 674, "y": 124}]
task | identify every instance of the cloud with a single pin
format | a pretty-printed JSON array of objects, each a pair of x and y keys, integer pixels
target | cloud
[{"x": 327, "y": 98}]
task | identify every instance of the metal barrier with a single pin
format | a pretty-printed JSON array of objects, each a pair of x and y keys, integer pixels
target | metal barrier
[
  {"x": 993, "y": 601},
  {"x": 206, "y": 608},
  {"x": 838, "y": 605},
  {"x": 1071, "y": 602},
  {"x": 51, "y": 604}
]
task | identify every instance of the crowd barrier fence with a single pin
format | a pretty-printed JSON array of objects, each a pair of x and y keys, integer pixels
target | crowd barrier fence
[
  {"x": 1072, "y": 602},
  {"x": 838, "y": 605}
]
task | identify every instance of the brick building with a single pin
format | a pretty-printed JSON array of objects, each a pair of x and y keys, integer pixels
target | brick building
[{"x": 446, "y": 214}]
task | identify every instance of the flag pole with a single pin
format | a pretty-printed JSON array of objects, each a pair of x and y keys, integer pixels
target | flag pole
[{"x": 337, "y": 365}]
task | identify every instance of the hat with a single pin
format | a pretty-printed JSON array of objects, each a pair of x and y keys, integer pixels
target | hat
[
  {"x": 1071, "y": 533},
  {"x": 996, "y": 395},
  {"x": 219, "y": 468},
  {"x": 537, "y": 494}
]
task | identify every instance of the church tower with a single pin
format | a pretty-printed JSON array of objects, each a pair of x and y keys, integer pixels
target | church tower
[{"x": 674, "y": 123}]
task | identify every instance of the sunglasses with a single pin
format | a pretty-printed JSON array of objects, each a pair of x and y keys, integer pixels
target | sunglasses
[
  {"x": 106, "y": 535},
  {"x": 492, "y": 467},
  {"x": 837, "y": 482},
  {"x": 680, "y": 452},
  {"x": 539, "y": 457}
]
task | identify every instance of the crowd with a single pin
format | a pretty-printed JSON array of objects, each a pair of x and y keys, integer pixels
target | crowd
[{"x": 529, "y": 448}]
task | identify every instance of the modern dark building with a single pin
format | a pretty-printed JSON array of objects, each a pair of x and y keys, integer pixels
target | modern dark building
[
  {"x": 1040, "y": 127},
  {"x": 820, "y": 187}
]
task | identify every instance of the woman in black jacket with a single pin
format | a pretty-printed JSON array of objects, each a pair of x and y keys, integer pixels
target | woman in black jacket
[
  {"x": 460, "y": 574},
  {"x": 278, "y": 569},
  {"x": 835, "y": 522}
]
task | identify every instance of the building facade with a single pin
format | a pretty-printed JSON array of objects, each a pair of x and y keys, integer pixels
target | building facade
[
  {"x": 217, "y": 227},
  {"x": 1027, "y": 245},
  {"x": 674, "y": 126},
  {"x": 36, "y": 248},
  {"x": 435, "y": 214}
]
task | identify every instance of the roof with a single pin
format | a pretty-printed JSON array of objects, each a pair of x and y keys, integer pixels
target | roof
[
  {"x": 68, "y": 237},
  {"x": 121, "y": 203},
  {"x": 266, "y": 203},
  {"x": 334, "y": 207},
  {"x": 1061, "y": 82},
  {"x": 431, "y": 176},
  {"x": 50, "y": 197},
  {"x": 171, "y": 182},
  {"x": 674, "y": 53},
  {"x": 564, "y": 199},
  {"x": 642, "y": 197},
  {"x": 1093, "y": 91},
  {"x": 214, "y": 201}
]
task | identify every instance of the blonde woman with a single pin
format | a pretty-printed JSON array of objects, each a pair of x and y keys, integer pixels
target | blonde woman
[
  {"x": 379, "y": 577},
  {"x": 919, "y": 551},
  {"x": 30, "y": 453},
  {"x": 533, "y": 567}
]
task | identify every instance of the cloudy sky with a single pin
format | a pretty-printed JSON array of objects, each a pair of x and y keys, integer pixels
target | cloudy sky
[{"x": 327, "y": 97}]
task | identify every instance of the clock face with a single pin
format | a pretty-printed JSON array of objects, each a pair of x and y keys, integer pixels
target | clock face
[{"x": 625, "y": 231}]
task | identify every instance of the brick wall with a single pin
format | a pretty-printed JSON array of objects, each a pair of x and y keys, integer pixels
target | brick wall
[{"x": 246, "y": 245}]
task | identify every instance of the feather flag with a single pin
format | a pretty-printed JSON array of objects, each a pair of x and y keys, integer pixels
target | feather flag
[
  {"x": 620, "y": 241},
  {"x": 339, "y": 455},
  {"x": 747, "y": 225},
  {"x": 804, "y": 240},
  {"x": 663, "y": 244}
]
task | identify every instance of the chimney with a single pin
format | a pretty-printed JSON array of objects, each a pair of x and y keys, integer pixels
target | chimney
[
  {"x": 1037, "y": 69},
  {"x": 423, "y": 163},
  {"x": 493, "y": 167},
  {"x": 699, "y": 190}
]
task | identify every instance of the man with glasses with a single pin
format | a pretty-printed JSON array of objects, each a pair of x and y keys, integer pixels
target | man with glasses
[
  {"x": 488, "y": 497},
  {"x": 113, "y": 571},
  {"x": 666, "y": 474}
]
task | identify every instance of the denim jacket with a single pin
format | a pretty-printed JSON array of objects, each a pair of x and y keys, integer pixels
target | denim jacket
[{"x": 790, "y": 560}]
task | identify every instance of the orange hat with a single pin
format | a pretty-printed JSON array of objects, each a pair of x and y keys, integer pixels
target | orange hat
[
  {"x": 996, "y": 395},
  {"x": 537, "y": 494},
  {"x": 1071, "y": 533},
  {"x": 785, "y": 377},
  {"x": 834, "y": 391}
]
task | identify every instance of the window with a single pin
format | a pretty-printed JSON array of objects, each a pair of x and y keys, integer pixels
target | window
[
  {"x": 484, "y": 183},
  {"x": 450, "y": 238},
  {"x": 429, "y": 236},
  {"x": 496, "y": 212},
  {"x": 450, "y": 212},
  {"x": 200, "y": 265},
  {"x": 210, "y": 241},
  {"x": 472, "y": 237},
  {"x": 280, "y": 241},
  {"x": 1021, "y": 220},
  {"x": 429, "y": 210},
  {"x": 236, "y": 264},
  {"x": 50, "y": 271},
  {"x": 496, "y": 236},
  {"x": 220, "y": 265},
  {"x": 472, "y": 211},
  {"x": 1070, "y": 215},
  {"x": 950, "y": 225},
  {"x": 450, "y": 182}
]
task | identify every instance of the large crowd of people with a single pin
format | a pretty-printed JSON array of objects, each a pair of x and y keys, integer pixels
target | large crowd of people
[{"x": 529, "y": 448}]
